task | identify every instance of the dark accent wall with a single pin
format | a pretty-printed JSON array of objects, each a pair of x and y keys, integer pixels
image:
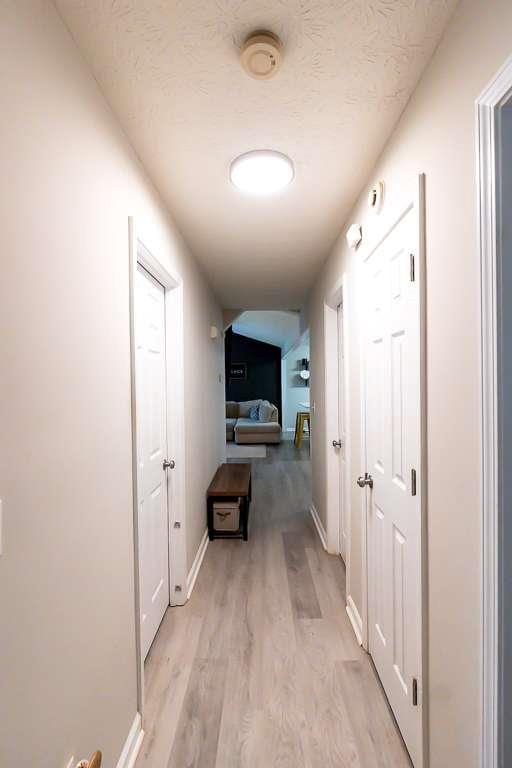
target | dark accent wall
[{"x": 263, "y": 370}]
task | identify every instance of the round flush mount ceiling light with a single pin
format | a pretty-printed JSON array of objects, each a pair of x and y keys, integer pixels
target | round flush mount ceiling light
[
  {"x": 261, "y": 55},
  {"x": 261, "y": 172}
]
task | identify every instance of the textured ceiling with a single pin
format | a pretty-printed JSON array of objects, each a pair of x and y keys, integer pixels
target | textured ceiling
[{"x": 171, "y": 72}]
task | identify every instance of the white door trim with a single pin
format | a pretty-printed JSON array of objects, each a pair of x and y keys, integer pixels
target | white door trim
[
  {"x": 284, "y": 389},
  {"x": 498, "y": 92},
  {"x": 140, "y": 254},
  {"x": 343, "y": 407},
  {"x": 338, "y": 295},
  {"x": 416, "y": 199},
  {"x": 132, "y": 745}
]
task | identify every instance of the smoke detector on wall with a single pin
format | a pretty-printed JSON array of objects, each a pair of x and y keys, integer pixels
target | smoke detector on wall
[{"x": 261, "y": 55}]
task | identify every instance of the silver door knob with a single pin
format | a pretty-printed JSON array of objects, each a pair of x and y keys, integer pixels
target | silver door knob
[
  {"x": 336, "y": 443},
  {"x": 367, "y": 480},
  {"x": 168, "y": 464}
]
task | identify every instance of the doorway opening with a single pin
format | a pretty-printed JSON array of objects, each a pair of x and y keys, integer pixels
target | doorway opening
[
  {"x": 494, "y": 130},
  {"x": 267, "y": 381},
  {"x": 158, "y": 449},
  {"x": 152, "y": 461},
  {"x": 393, "y": 483},
  {"x": 338, "y": 442},
  {"x": 342, "y": 439},
  {"x": 384, "y": 509}
]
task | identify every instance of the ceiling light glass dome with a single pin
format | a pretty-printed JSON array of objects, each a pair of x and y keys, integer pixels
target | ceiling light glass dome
[{"x": 261, "y": 172}]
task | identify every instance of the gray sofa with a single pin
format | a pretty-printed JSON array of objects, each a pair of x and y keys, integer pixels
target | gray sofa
[{"x": 242, "y": 429}]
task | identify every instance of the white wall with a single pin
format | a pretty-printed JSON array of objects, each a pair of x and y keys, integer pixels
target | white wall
[
  {"x": 294, "y": 392},
  {"x": 436, "y": 135},
  {"x": 69, "y": 182}
]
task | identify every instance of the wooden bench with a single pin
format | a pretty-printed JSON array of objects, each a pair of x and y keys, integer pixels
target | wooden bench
[{"x": 231, "y": 482}]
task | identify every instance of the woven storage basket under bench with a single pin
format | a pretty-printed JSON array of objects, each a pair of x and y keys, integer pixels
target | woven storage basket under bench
[{"x": 227, "y": 502}]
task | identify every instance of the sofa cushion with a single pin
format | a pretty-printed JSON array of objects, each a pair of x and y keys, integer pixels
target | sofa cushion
[
  {"x": 257, "y": 438},
  {"x": 267, "y": 412},
  {"x": 232, "y": 410},
  {"x": 230, "y": 423},
  {"x": 248, "y": 425},
  {"x": 244, "y": 408}
]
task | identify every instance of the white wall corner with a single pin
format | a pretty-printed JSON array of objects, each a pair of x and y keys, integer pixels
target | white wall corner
[
  {"x": 196, "y": 565},
  {"x": 132, "y": 744},
  {"x": 319, "y": 526},
  {"x": 355, "y": 619}
]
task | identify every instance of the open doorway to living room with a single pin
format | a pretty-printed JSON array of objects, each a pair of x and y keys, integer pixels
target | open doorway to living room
[{"x": 267, "y": 382}]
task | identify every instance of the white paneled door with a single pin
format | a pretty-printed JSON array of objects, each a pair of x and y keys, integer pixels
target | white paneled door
[
  {"x": 342, "y": 433},
  {"x": 151, "y": 452},
  {"x": 391, "y": 278}
]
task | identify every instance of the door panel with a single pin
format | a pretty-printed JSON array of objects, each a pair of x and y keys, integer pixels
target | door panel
[
  {"x": 393, "y": 449},
  {"x": 151, "y": 452},
  {"x": 342, "y": 433}
]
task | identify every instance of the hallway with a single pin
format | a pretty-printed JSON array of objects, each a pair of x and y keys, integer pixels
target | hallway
[{"x": 261, "y": 667}]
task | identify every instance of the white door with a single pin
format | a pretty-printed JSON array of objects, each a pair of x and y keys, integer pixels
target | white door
[
  {"x": 393, "y": 452},
  {"x": 342, "y": 436},
  {"x": 151, "y": 453}
]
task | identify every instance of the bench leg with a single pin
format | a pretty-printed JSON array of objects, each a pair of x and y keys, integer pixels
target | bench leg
[
  {"x": 245, "y": 530},
  {"x": 209, "y": 519}
]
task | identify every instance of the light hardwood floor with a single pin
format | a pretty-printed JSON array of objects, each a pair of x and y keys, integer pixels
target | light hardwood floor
[{"x": 261, "y": 668}]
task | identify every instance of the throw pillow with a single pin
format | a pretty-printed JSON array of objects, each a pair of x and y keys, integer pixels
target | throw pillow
[
  {"x": 265, "y": 411},
  {"x": 254, "y": 412}
]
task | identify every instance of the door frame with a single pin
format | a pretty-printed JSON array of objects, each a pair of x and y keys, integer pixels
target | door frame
[
  {"x": 488, "y": 106},
  {"x": 339, "y": 295},
  {"x": 284, "y": 387},
  {"x": 304, "y": 336},
  {"x": 415, "y": 198},
  {"x": 139, "y": 253},
  {"x": 344, "y": 507}
]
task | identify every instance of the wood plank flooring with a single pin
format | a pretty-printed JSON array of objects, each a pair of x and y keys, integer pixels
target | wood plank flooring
[{"x": 261, "y": 668}]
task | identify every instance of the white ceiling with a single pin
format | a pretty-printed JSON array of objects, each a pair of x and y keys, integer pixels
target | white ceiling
[
  {"x": 171, "y": 72},
  {"x": 278, "y": 328}
]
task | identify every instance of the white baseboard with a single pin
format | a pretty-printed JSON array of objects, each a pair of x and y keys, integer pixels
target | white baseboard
[
  {"x": 355, "y": 619},
  {"x": 319, "y": 526},
  {"x": 196, "y": 565},
  {"x": 132, "y": 744}
]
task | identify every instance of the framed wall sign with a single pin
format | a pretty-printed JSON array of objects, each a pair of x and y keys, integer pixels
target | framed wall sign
[{"x": 238, "y": 371}]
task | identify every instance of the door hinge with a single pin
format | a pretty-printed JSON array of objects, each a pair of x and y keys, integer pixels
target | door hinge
[
  {"x": 177, "y": 588},
  {"x": 177, "y": 524},
  {"x": 413, "y": 276},
  {"x": 414, "y": 692},
  {"x": 413, "y": 482}
]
